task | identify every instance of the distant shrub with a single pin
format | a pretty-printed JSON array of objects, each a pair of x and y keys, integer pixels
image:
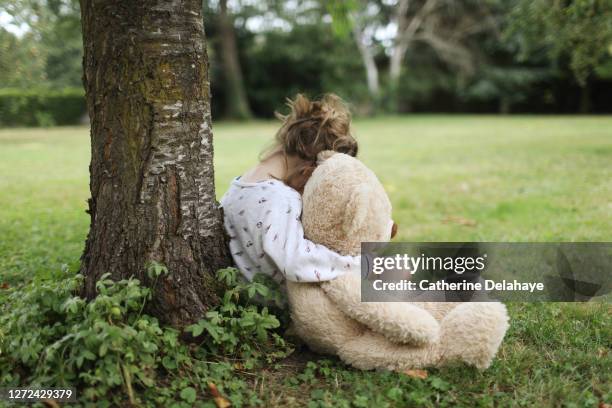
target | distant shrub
[{"x": 41, "y": 107}]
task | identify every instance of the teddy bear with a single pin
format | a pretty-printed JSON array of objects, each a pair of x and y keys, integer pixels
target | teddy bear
[{"x": 345, "y": 204}]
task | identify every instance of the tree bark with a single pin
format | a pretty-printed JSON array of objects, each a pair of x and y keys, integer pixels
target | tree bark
[
  {"x": 237, "y": 105},
  {"x": 367, "y": 57},
  {"x": 400, "y": 45},
  {"x": 152, "y": 182}
]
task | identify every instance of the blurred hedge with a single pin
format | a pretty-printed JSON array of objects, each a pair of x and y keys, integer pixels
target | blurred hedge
[{"x": 41, "y": 107}]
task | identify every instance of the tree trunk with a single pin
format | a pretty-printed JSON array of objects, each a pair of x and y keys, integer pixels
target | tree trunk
[
  {"x": 367, "y": 58},
  {"x": 237, "y": 105},
  {"x": 395, "y": 63},
  {"x": 152, "y": 186},
  {"x": 401, "y": 41},
  {"x": 504, "y": 106},
  {"x": 585, "y": 98}
]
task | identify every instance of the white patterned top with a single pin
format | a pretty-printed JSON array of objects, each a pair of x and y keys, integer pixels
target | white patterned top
[{"x": 263, "y": 221}]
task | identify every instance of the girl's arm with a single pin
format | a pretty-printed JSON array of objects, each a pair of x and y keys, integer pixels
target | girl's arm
[{"x": 299, "y": 259}]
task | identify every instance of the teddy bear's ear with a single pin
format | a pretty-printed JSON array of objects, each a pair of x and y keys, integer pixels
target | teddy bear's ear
[
  {"x": 356, "y": 211},
  {"x": 324, "y": 155}
]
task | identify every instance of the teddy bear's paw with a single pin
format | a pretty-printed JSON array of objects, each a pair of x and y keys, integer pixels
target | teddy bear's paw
[
  {"x": 473, "y": 332},
  {"x": 374, "y": 351},
  {"x": 407, "y": 324},
  {"x": 370, "y": 351}
]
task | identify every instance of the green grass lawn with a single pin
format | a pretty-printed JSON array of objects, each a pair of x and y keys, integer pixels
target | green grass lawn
[{"x": 450, "y": 178}]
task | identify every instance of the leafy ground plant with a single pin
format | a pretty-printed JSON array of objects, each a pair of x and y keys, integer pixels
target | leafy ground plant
[{"x": 115, "y": 354}]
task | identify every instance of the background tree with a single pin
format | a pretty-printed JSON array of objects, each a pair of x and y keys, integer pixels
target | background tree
[
  {"x": 498, "y": 76},
  {"x": 21, "y": 62},
  {"x": 453, "y": 56},
  {"x": 448, "y": 28},
  {"x": 577, "y": 34},
  {"x": 236, "y": 102},
  {"x": 364, "y": 41},
  {"x": 152, "y": 185},
  {"x": 53, "y": 40},
  {"x": 285, "y": 57},
  {"x": 361, "y": 20}
]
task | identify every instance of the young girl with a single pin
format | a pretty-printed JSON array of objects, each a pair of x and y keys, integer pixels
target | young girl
[{"x": 262, "y": 208}]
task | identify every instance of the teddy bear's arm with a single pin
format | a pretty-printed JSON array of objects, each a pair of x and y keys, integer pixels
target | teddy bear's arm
[{"x": 398, "y": 322}]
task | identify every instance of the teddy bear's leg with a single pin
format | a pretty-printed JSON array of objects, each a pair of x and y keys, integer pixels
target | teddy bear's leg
[
  {"x": 400, "y": 322},
  {"x": 472, "y": 333},
  {"x": 438, "y": 310},
  {"x": 372, "y": 350},
  {"x": 316, "y": 320}
]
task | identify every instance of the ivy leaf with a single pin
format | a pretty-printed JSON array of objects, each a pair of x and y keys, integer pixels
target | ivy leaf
[
  {"x": 189, "y": 394},
  {"x": 228, "y": 275},
  {"x": 156, "y": 269},
  {"x": 169, "y": 363},
  {"x": 439, "y": 384},
  {"x": 195, "y": 329},
  {"x": 262, "y": 289}
]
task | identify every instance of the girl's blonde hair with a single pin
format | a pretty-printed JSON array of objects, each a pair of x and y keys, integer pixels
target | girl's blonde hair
[{"x": 311, "y": 127}]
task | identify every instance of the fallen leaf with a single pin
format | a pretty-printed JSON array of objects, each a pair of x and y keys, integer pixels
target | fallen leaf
[
  {"x": 220, "y": 400},
  {"x": 214, "y": 391},
  {"x": 51, "y": 403},
  {"x": 422, "y": 374},
  {"x": 452, "y": 219},
  {"x": 604, "y": 405},
  {"x": 4, "y": 285}
]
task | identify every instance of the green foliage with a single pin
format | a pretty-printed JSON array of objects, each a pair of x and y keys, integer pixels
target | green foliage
[
  {"x": 21, "y": 64},
  {"x": 52, "y": 336},
  {"x": 239, "y": 328},
  {"x": 421, "y": 84},
  {"x": 281, "y": 64},
  {"x": 49, "y": 53},
  {"x": 41, "y": 107},
  {"x": 64, "y": 52},
  {"x": 580, "y": 31},
  {"x": 114, "y": 353},
  {"x": 548, "y": 49},
  {"x": 340, "y": 11},
  {"x": 508, "y": 85}
]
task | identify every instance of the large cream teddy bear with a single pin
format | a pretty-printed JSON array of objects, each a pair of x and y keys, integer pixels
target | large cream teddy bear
[{"x": 345, "y": 204}]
